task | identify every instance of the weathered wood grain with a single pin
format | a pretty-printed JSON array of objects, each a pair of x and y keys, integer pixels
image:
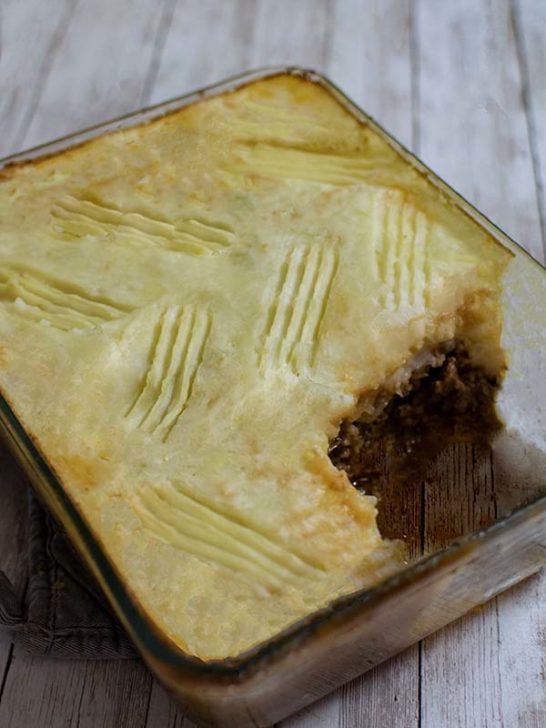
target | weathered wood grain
[
  {"x": 462, "y": 661},
  {"x": 529, "y": 22},
  {"x": 370, "y": 58},
  {"x": 474, "y": 132},
  {"x": 464, "y": 84},
  {"x": 523, "y": 615},
  {"x": 62, "y": 694},
  {"x": 473, "y": 124},
  {"x": 160, "y": 38},
  {"x": 522, "y": 612},
  {"x": 162, "y": 711},
  {"x": 32, "y": 32},
  {"x": 205, "y": 42},
  {"x": 82, "y": 90},
  {"x": 301, "y": 41}
]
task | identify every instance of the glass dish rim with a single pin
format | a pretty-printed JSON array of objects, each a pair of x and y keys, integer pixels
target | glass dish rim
[{"x": 146, "y": 633}]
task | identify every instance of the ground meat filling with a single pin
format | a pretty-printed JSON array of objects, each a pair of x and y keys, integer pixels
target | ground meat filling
[{"x": 453, "y": 402}]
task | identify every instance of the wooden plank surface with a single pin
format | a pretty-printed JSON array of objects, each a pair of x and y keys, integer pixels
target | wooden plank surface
[
  {"x": 99, "y": 69},
  {"x": 473, "y": 123},
  {"x": 187, "y": 60},
  {"x": 522, "y": 612},
  {"x": 463, "y": 83},
  {"x": 528, "y": 22},
  {"x": 42, "y": 692},
  {"x": 24, "y": 71},
  {"x": 469, "y": 66}
]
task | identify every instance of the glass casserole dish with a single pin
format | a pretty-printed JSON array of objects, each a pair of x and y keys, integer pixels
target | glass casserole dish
[{"x": 275, "y": 678}]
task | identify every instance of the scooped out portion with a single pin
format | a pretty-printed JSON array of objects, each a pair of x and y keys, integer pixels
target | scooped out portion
[
  {"x": 192, "y": 309},
  {"x": 448, "y": 400}
]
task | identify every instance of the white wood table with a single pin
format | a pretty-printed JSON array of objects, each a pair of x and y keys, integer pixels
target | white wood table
[{"x": 463, "y": 83}]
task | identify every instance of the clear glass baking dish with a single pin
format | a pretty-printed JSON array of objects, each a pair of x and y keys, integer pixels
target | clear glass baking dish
[{"x": 353, "y": 634}]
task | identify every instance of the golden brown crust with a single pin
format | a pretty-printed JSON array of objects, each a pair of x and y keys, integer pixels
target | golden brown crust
[{"x": 189, "y": 309}]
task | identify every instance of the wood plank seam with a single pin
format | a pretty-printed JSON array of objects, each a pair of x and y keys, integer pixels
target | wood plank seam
[
  {"x": 46, "y": 67},
  {"x": 415, "y": 77},
  {"x": 421, "y": 650},
  {"x": 328, "y": 40},
  {"x": 77, "y": 712},
  {"x": 163, "y": 27},
  {"x": 521, "y": 53},
  {"x": 148, "y": 704}
]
